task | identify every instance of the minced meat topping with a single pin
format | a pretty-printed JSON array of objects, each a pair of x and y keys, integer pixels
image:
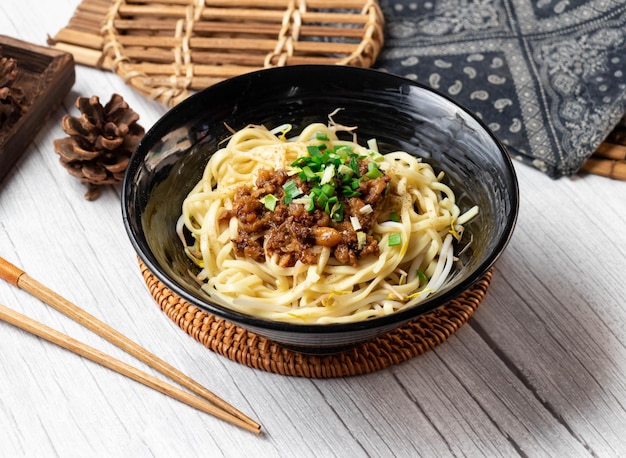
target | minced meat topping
[{"x": 333, "y": 200}]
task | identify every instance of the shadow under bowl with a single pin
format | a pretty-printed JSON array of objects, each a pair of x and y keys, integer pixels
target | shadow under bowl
[{"x": 401, "y": 114}]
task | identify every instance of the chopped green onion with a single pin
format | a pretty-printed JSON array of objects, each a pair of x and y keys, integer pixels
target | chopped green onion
[
  {"x": 356, "y": 224},
  {"x": 361, "y": 238},
  {"x": 393, "y": 216},
  {"x": 311, "y": 204},
  {"x": 395, "y": 239},
  {"x": 330, "y": 203},
  {"x": 269, "y": 200},
  {"x": 343, "y": 152},
  {"x": 314, "y": 151},
  {"x": 291, "y": 191},
  {"x": 347, "y": 191},
  {"x": 303, "y": 200},
  {"x": 321, "y": 136},
  {"x": 373, "y": 171},
  {"x": 332, "y": 200},
  {"x": 308, "y": 173},
  {"x": 316, "y": 192},
  {"x": 329, "y": 173},
  {"x": 336, "y": 213},
  {"x": 354, "y": 165},
  {"x": 344, "y": 170},
  {"x": 290, "y": 188},
  {"x": 328, "y": 189},
  {"x": 300, "y": 162},
  {"x": 366, "y": 209},
  {"x": 321, "y": 200}
]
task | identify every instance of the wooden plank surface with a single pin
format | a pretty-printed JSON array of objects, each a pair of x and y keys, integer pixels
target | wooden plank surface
[{"x": 538, "y": 371}]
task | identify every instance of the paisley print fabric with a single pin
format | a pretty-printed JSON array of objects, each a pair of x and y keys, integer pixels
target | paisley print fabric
[{"x": 547, "y": 76}]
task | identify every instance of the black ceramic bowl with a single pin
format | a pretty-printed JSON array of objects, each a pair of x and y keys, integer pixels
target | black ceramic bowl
[{"x": 399, "y": 113}]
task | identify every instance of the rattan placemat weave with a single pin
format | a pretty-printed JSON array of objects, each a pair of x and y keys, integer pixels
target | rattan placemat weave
[
  {"x": 167, "y": 48},
  {"x": 397, "y": 346}
]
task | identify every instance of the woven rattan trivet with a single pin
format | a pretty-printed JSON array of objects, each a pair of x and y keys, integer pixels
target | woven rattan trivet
[
  {"x": 167, "y": 48},
  {"x": 237, "y": 344}
]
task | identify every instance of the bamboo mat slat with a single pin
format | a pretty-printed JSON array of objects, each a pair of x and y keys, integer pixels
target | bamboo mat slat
[{"x": 609, "y": 159}]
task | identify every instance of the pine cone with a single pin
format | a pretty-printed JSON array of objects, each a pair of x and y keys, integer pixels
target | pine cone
[
  {"x": 101, "y": 142},
  {"x": 11, "y": 98}
]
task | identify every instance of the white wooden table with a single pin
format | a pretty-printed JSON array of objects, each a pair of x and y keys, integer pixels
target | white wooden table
[{"x": 540, "y": 369}]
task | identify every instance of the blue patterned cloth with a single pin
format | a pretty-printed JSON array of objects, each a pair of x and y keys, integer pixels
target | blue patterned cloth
[{"x": 547, "y": 76}]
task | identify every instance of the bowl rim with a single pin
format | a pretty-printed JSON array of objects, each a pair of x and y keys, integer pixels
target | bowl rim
[{"x": 145, "y": 253}]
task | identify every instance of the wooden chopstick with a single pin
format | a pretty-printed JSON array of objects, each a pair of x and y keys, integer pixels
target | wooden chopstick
[
  {"x": 82, "y": 349},
  {"x": 21, "y": 279}
]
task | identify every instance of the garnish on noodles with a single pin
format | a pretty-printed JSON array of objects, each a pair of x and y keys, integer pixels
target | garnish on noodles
[{"x": 314, "y": 229}]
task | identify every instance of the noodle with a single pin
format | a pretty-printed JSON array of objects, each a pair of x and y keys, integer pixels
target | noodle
[{"x": 413, "y": 233}]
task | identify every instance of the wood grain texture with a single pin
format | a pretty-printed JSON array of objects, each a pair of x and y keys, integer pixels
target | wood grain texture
[
  {"x": 34, "y": 327},
  {"x": 44, "y": 77},
  {"x": 537, "y": 371},
  {"x": 18, "y": 278}
]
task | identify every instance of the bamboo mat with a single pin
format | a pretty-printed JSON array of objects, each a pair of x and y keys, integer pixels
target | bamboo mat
[
  {"x": 168, "y": 49},
  {"x": 609, "y": 159},
  {"x": 397, "y": 346}
]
